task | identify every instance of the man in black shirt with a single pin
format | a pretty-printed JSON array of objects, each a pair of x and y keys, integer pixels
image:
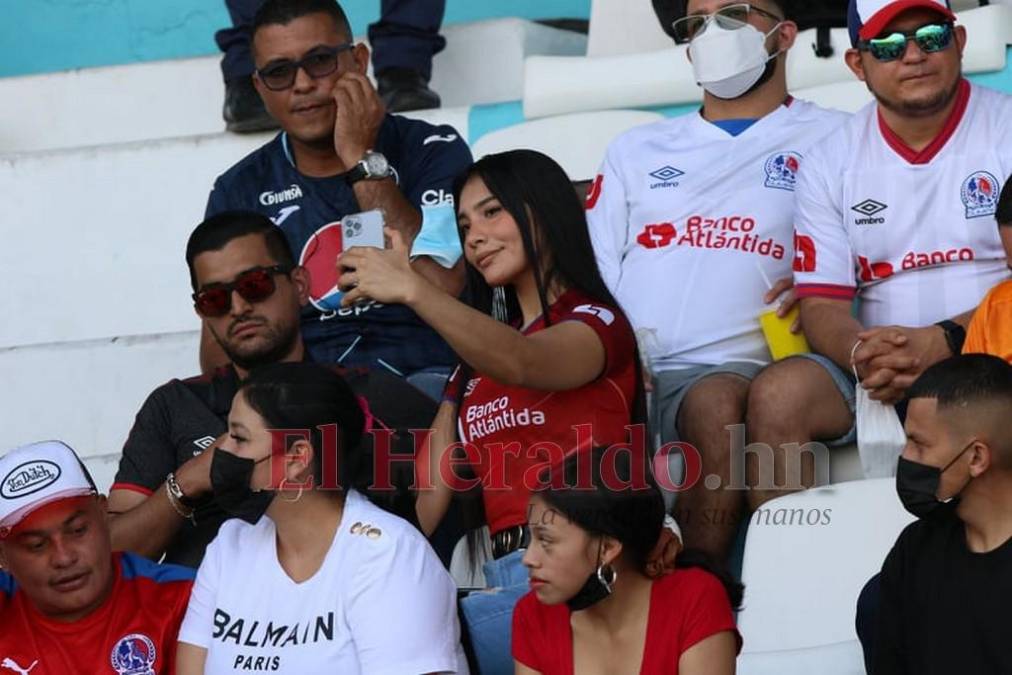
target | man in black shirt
[
  {"x": 946, "y": 586},
  {"x": 249, "y": 293}
]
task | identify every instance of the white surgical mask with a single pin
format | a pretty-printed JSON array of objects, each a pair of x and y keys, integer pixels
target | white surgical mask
[{"x": 727, "y": 62}]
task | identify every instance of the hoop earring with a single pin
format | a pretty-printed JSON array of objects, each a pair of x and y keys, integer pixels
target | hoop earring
[
  {"x": 281, "y": 491},
  {"x": 609, "y": 571}
]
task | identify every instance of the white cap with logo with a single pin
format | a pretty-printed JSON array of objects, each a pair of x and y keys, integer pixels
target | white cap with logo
[{"x": 38, "y": 474}]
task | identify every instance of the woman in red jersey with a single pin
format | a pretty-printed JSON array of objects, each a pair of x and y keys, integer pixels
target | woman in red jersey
[
  {"x": 549, "y": 363},
  {"x": 593, "y": 609}
]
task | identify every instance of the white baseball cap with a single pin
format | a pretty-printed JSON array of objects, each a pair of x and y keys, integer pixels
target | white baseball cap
[
  {"x": 868, "y": 18},
  {"x": 38, "y": 474}
]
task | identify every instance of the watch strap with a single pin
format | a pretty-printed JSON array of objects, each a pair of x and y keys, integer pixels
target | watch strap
[
  {"x": 357, "y": 173},
  {"x": 955, "y": 335}
]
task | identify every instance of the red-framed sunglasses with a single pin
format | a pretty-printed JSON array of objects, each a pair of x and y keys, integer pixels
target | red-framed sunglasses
[{"x": 253, "y": 285}]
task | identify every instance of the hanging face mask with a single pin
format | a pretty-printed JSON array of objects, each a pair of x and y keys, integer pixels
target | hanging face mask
[
  {"x": 917, "y": 485},
  {"x": 597, "y": 587},
  {"x": 230, "y": 482},
  {"x": 727, "y": 62}
]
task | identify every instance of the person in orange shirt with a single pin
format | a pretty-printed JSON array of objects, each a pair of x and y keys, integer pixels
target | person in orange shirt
[{"x": 990, "y": 331}]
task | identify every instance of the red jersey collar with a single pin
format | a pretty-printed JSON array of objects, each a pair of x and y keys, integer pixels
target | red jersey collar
[{"x": 928, "y": 153}]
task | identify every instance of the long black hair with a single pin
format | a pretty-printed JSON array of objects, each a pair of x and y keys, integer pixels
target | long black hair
[
  {"x": 606, "y": 494},
  {"x": 538, "y": 194},
  {"x": 308, "y": 396}
]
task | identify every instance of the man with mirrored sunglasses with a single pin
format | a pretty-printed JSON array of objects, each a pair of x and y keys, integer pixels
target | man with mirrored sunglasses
[
  {"x": 340, "y": 153},
  {"x": 688, "y": 217},
  {"x": 945, "y": 588},
  {"x": 248, "y": 291},
  {"x": 894, "y": 243}
]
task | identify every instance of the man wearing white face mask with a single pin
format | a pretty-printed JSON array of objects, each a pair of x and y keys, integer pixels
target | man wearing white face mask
[{"x": 689, "y": 218}]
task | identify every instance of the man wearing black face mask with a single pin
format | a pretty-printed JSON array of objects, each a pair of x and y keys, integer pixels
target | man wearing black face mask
[{"x": 945, "y": 586}]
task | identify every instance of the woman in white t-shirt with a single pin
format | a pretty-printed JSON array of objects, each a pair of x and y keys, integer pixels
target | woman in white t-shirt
[{"x": 309, "y": 578}]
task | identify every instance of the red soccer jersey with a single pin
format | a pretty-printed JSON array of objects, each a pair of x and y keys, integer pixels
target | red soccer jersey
[
  {"x": 133, "y": 633},
  {"x": 516, "y": 430},
  {"x": 686, "y": 607}
]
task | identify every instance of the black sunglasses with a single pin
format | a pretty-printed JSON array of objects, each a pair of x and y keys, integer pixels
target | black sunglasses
[
  {"x": 319, "y": 62},
  {"x": 253, "y": 285}
]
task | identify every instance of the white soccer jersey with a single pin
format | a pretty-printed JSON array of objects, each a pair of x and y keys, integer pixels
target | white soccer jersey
[
  {"x": 381, "y": 603},
  {"x": 911, "y": 234},
  {"x": 686, "y": 219}
]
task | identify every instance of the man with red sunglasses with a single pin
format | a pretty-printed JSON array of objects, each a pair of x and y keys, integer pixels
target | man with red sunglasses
[
  {"x": 340, "y": 153},
  {"x": 248, "y": 291},
  {"x": 894, "y": 210}
]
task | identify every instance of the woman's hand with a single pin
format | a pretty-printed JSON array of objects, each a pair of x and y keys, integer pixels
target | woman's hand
[{"x": 383, "y": 275}]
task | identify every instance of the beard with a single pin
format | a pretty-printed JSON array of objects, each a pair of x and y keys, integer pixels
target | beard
[
  {"x": 924, "y": 106},
  {"x": 278, "y": 341},
  {"x": 768, "y": 71}
]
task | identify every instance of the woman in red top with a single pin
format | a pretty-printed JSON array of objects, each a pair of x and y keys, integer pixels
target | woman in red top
[
  {"x": 593, "y": 609},
  {"x": 549, "y": 361}
]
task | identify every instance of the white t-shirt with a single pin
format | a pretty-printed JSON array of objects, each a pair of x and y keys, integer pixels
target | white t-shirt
[
  {"x": 686, "y": 218},
  {"x": 911, "y": 234},
  {"x": 381, "y": 603}
]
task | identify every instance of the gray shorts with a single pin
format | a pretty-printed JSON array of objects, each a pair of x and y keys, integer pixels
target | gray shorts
[
  {"x": 845, "y": 383},
  {"x": 671, "y": 387}
]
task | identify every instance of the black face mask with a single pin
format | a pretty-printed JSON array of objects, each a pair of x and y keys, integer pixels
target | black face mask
[
  {"x": 917, "y": 485},
  {"x": 597, "y": 587},
  {"x": 230, "y": 481}
]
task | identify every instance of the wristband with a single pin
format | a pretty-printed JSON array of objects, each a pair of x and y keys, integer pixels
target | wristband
[
  {"x": 173, "y": 492},
  {"x": 955, "y": 336}
]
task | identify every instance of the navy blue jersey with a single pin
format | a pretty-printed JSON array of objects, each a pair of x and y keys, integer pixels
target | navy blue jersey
[{"x": 425, "y": 159}]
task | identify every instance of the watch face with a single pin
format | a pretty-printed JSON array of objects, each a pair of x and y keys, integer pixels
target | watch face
[{"x": 376, "y": 164}]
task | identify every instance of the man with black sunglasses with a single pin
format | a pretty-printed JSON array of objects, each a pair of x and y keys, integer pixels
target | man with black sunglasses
[
  {"x": 248, "y": 291},
  {"x": 895, "y": 211},
  {"x": 340, "y": 153}
]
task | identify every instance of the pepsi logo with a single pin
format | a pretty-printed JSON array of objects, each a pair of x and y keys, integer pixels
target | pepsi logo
[
  {"x": 29, "y": 478},
  {"x": 319, "y": 257}
]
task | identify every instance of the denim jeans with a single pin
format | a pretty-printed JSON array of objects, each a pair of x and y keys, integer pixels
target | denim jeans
[{"x": 489, "y": 613}]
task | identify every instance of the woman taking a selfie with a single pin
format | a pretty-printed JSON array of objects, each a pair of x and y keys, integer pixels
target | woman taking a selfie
[{"x": 549, "y": 364}]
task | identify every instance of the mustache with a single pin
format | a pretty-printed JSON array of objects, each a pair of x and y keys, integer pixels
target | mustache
[{"x": 244, "y": 321}]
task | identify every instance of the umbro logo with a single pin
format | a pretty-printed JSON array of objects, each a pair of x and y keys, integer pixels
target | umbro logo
[
  {"x": 666, "y": 175},
  {"x": 203, "y": 443},
  {"x": 869, "y": 208}
]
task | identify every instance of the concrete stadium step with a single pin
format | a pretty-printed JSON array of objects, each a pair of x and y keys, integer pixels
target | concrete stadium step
[
  {"x": 87, "y": 393},
  {"x": 167, "y": 99}
]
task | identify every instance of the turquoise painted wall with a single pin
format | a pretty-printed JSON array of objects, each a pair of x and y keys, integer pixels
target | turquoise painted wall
[{"x": 40, "y": 36}]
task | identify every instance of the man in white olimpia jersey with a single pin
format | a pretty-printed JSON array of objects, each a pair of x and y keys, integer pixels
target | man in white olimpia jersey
[
  {"x": 895, "y": 210},
  {"x": 689, "y": 217}
]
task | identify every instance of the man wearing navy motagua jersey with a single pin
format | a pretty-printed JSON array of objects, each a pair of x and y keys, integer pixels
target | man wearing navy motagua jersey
[{"x": 340, "y": 153}]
